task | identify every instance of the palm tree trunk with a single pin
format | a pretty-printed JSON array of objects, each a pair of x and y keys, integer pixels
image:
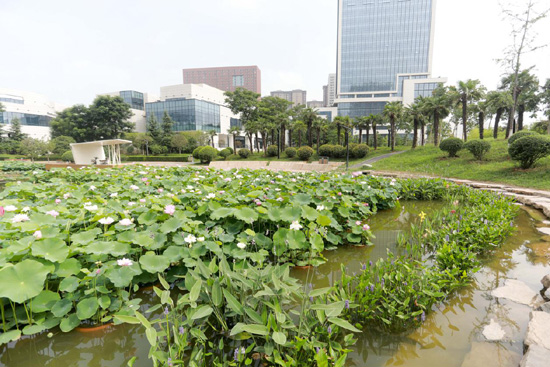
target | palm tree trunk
[
  {"x": 309, "y": 135},
  {"x": 338, "y": 126},
  {"x": 423, "y": 133},
  {"x": 436, "y": 128},
  {"x": 368, "y": 135},
  {"x": 360, "y": 135},
  {"x": 290, "y": 137},
  {"x": 374, "y": 137},
  {"x": 497, "y": 120},
  {"x": 521, "y": 111},
  {"x": 481, "y": 120},
  {"x": 464, "y": 117},
  {"x": 415, "y": 132},
  {"x": 299, "y": 138},
  {"x": 318, "y": 139},
  {"x": 392, "y": 123},
  {"x": 282, "y": 137},
  {"x": 250, "y": 139},
  {"x": 234, "y": 146}
]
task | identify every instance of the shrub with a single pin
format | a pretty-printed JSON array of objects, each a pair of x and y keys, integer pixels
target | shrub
[
  {"x": 230, "y": 150},
  {"x": 196, "y": 152},
  {"x": 207, "y": 154},
  {"x": 451, "y": 146},
  {"x": 478, "y": 148},
  {"x": 272, "y": 151},
  {"x": 338, "y": 151},
  {"x": 224, "y": 153},
  {"x": 326, "y": 150},
  {"x": 359, "y": 151},
  {"x": 305, "y": 152},
  {"x": 529, "y": 149},
  {"x": 67, "y": 156},
  {"x": 290, "y": 152},
  {"x": 519, "y": 135},
  {"x": 244, "y": 153}
]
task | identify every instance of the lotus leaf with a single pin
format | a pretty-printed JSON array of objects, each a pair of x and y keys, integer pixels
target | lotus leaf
[
  {"x": 52, "y": 249},
  {"x": 44, "y": 301},
  {"x": 23, "y": 281},
  {"x": 154, "y": 263},
  {"x": 86, "y": 308},
  {"x": 114, "y": 248}
]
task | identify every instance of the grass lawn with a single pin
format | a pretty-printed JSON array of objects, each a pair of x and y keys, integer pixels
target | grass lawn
[{"x": 497, "y": 166}]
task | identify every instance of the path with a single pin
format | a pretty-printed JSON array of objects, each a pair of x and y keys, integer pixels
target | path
[{"x": 376, "y": 159}]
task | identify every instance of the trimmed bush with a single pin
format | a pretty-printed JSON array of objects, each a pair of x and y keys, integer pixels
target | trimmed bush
[
  {"x": 521, "y": 134},
  {"x": 230, "y": 149},
  {"x": 207, "y": 154},
  {"x": 272, "y": 151},
  {"x": 67, "y": 156},
  {"x": 478, "y": 148},
  {"x": 305, "y": 153},
  {"x": 156, "y": 158},
  {"x": 338, "y": 151},
  {"x": 224, "y": 153},
  {"x": 244, "y": 153},
  {"x": 359, "y": 151},
  {"x": 529, "y": 149},
  {"x": 326, "y": 150},
  {"x": 451, "y": 146},
  {"x": 196, "y": 152},
  {"x": 290, "y": 152}
]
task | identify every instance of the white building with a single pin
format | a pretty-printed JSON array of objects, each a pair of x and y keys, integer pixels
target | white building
[
  {"x": 137, "y": 101},
  {"x": 33, "y": 110},
  {"x": 331, "y": 90}
]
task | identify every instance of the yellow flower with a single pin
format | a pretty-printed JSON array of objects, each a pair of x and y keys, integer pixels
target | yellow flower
[{"x": 422, "y": 216}]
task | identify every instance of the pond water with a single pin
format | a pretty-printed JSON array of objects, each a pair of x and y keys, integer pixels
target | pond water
[{"x": 450, "y": 335}]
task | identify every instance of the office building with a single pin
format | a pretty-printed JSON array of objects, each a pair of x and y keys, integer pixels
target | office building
[
  {"x": 315, "y": 104},
  {"x": 331, "y": 90},
  {"x": 384, "y": 54},
  {"x": 297, "y": 96},
  {"x": 325, "y": 95},
  {"x": 136, "y": 100},
  {"x": 226, "y": 78},
  {"x": 195, "y": 107},
  {"x": 33, "y": 110}
]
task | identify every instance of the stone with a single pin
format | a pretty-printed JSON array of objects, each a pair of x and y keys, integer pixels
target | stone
[
  {"x": 518, "y": 292},
  {"x": 544, "y": 308},
  {"x": 546, "y": 281},
  {"x": 490, "y": 355},
  {"x": 547, "y": 222},
  {"x": 540, "y": 249},
  {"x": 545, "y": 231},
  {"x": 536, "y": 356},
  {"x": 534, "y": 213},
  {"x": 493, "y": 331},
  {"x": 538, "y": 331}
]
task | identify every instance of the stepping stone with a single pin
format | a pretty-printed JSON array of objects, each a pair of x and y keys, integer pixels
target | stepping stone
[
  {"x": 493, "y": 331},
  {"x": 540, "y": 249},
  {"x": 545, "y": 308},
  {"x": 538, "y": 331},
  {"x": 536, "y": 356},
  {"x": 490, "y": 355},
  {"x": 545, "y": 230},
  {"x": 518, "y": 292}
]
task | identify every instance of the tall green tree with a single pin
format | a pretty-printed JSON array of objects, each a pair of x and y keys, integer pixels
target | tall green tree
[
  {"x": 166, "y": 128},
  {"x": 545, "y": 99},
  {"x": 61, "y": 144},
  {"x": 527, "y": 87},
  {"x": 465, "y": 93},
  {"x": 498, "y": 103},
  {"x": 154, "y": 130},
  {"x": 342, "y": 121},
  {"x": 212, "y": 134},
  {"x": 274, "y": 113},
  {"x": 33, "y": 148},
  {"x": 235, "y": 131},
  {"x": 415, "y": 112},
  {"x": 308, "y": 115},
  {"x": 392, "y": 112},
  {"x": 14, "y": 132},
  {"x": 73, "y": 122},
  {"x": 178, "y": 142},
  {"x": 110, "y": 117},
  {"x": 362, "y": 123},
  {"x": 437, "y": 106}
]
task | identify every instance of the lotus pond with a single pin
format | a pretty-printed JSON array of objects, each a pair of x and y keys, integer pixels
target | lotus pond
[{"x": 225, "y": 252}]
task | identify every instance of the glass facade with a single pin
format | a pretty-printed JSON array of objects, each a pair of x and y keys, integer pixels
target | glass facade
[
  {"x": 134, "y": 99},
  {"x": 238, "y": 80},
  {"x": 10, "y": 99},
  {"x": 424, "y": 89},
  {"x": 25, "y": 119},
  {"x": 236, "y": 122},
  {"x": 380, "y": 39},
  {"x": 358, "y": 109},
  {"x": 188, "y": 114}
]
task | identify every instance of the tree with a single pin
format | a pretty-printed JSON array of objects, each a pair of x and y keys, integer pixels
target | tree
[
  {"x": 393, "y": 111},
  {"x": 274, "y": 115},
  {"x": 141, "y": 141},
  {"x": 61, "y": 144},
  {"x": 482, "y": 109},
  {"x": 235, "y": 131},
  {"x": 166, "y": 129},
  {"x": 416, "y": 113},
  {"x": 14, "y": 132},
  {"x": 361, "y": 123},
  {"x": 212, "y": 134},
  {"x": 438, "y": 107},
  {"x": 319, "y": 124},
  {"x": 341, "y": 121},
  {"x": 545, "y": 99},
  {"x": 522, "y": 21},
  {"x": 178, "y": 142},
  {"x": 467, "y": 92},
  {"x": 244, "y": 103},
  {"x": 154, "y": 130},
  {"x": 73, "y": 122},
  {"x": 498, "y": 102},
  {"x": 110, "y": 117},
  {"x": 308, "y": 115},
  {"x": 33, "y": 148},
  {"x": 527, "y": 86}
]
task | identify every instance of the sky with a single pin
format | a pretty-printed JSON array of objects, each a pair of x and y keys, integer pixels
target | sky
[{"x": 72, "y": 50}]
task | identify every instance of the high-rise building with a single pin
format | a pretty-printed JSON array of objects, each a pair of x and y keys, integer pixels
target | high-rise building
[
  {"x": 331, "y": 90},
  {"x": 385, "y": 52},
  {"x": 226, "y": 78},
  {"x": 33, "y": 110},
  {"x": 297, "y": 96},
  {"x": 315, "y": 104},
  {"x": 325, "y": 95}
]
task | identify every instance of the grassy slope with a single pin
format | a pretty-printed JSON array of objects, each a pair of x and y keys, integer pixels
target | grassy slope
[{"x": 497, "y": 166}]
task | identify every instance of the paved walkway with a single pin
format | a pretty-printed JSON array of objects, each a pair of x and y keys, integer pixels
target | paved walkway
[{"x": 376, "y": 159}]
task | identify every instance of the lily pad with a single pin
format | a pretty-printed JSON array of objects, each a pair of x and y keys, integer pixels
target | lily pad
[
  {"x": 154, "y": 263},
  {"x": 23, "y": 281},
  {"x": 52, "y": 249}
]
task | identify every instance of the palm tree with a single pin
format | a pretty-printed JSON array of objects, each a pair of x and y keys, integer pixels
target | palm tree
[
  {"x": 467, "y": 92},
  {"x": 299, "y": 127},
  {"x": 527, "y": 86},
  {"x": 374, "y": 121},
  {"x": 361, "y": 123},
  {"x": 416, "y": 113},
  {"x": 319, "y": 124},
  {"x": 212, "y": 134},
  {"x": 235, "y": 131},
  {"x": 393, "y": 111},
  {"x": 438, "y": 107},
  {"x": 308, "y": 115},
  {"x": 498, "y": 102},
  {"x": 341, "y": 120},
  {"x": 482, "y": 109}
]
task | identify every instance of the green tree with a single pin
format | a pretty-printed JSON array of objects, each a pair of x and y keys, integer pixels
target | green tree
[
  {"x": 438, "y": 107},
  {"x": 392, "y": 112},
  {"x": 273, "y": 115},
  {"x": 74, "y": 122},
  {"x": 498, "y": 102},
  {"x": 110, "y": 117},
  {"x": 154, "y": 130},
  {"x": 14, "y": 132},
  {"x": 465, "y": 93},
  {"x": 33, "y": 148},
  {"x": 320, "y": 125},
  {"x": 362, "y": 123},
  {"x": 166, "y": 128},
  {"x": 308, "y": 115},
  {"x": 212, "y": 134},
  {"x": 545, "y": 99},
  {"x": 415, "y": 112},
  {"x": 527, "y": 87},
  {"x": 235, "y": 131},
  {"x": 342, "y": 121},
  {"x": 61, "y": 144},
  {"x": 178, "y": 142}
]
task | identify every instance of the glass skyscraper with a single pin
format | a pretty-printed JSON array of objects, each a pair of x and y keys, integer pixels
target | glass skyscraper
[{"x": 384, "y": 53}]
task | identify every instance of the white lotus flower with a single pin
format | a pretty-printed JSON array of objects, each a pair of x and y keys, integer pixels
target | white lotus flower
[
  {"x": 241, "y": 245},
  {"x": 190, "y": 239},
  {"x": 106, "y": 221},
  {"x": 37, "y": 235},
  {"x": 296, "y": 226},
  {"x": 10, "y": 208},
  {"x": 26, "y": 209},
  {"x": 53, "y": 213},
  {"x": 66, "y": 196},
  {"x": 320, "y": 207},
  {"x": 134, "y": 187},
  {"x": 125, "y": 222},
  {"x": 124, "y": 262},
  {"x": 20, "y": 218},
  {"x": 90, "y": 207},
  {"x": 211, "y": 196},
  {"x": 200, "y": 239},
  {"x": 93, "y": 187}
]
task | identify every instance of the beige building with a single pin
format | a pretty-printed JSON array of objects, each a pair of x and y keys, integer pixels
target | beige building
[{"x": 297, "y": 96}]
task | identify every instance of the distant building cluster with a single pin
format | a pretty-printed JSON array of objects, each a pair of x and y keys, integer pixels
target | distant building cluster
[{"x": 384, "y": 54}]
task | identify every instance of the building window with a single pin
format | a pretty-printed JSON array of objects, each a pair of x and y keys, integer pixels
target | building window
[{"x": 238, "y": 80}]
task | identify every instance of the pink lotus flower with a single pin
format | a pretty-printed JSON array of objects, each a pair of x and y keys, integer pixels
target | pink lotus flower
[
  {"x": 53, "y": 213},
  {"x": 366, "y": 227},
  {"x": 144, "y": 179},
  {"x": 37, "y": 235},
  {"x": 57, "y": 201},
  {"x": 258, "y": 203},
  {"x": 160, "y": 190},
  {"x": 142, "y": 200},
  {"x": 358, "y": 223},
  {"x": 2, "y": 211},
  {"x": 356, "y": 174},
  {"x": 339, "y": 194},
  {"x": 170, "y": 209},
  {"x": 124, "y": 262},
  {"x": 125, "y": 222}
]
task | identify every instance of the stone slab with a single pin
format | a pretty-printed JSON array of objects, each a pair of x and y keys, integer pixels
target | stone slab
[
  {"x": 544, "y": 230},
  {"x": 540, "y": 249},
  {"x": 536, "y": 356},
  {"x": 538, "y": 331},
  {"x": 489, "y": 355},
  {"x": 518, "y": 292},
  {"x": 493, "y": 331}
]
